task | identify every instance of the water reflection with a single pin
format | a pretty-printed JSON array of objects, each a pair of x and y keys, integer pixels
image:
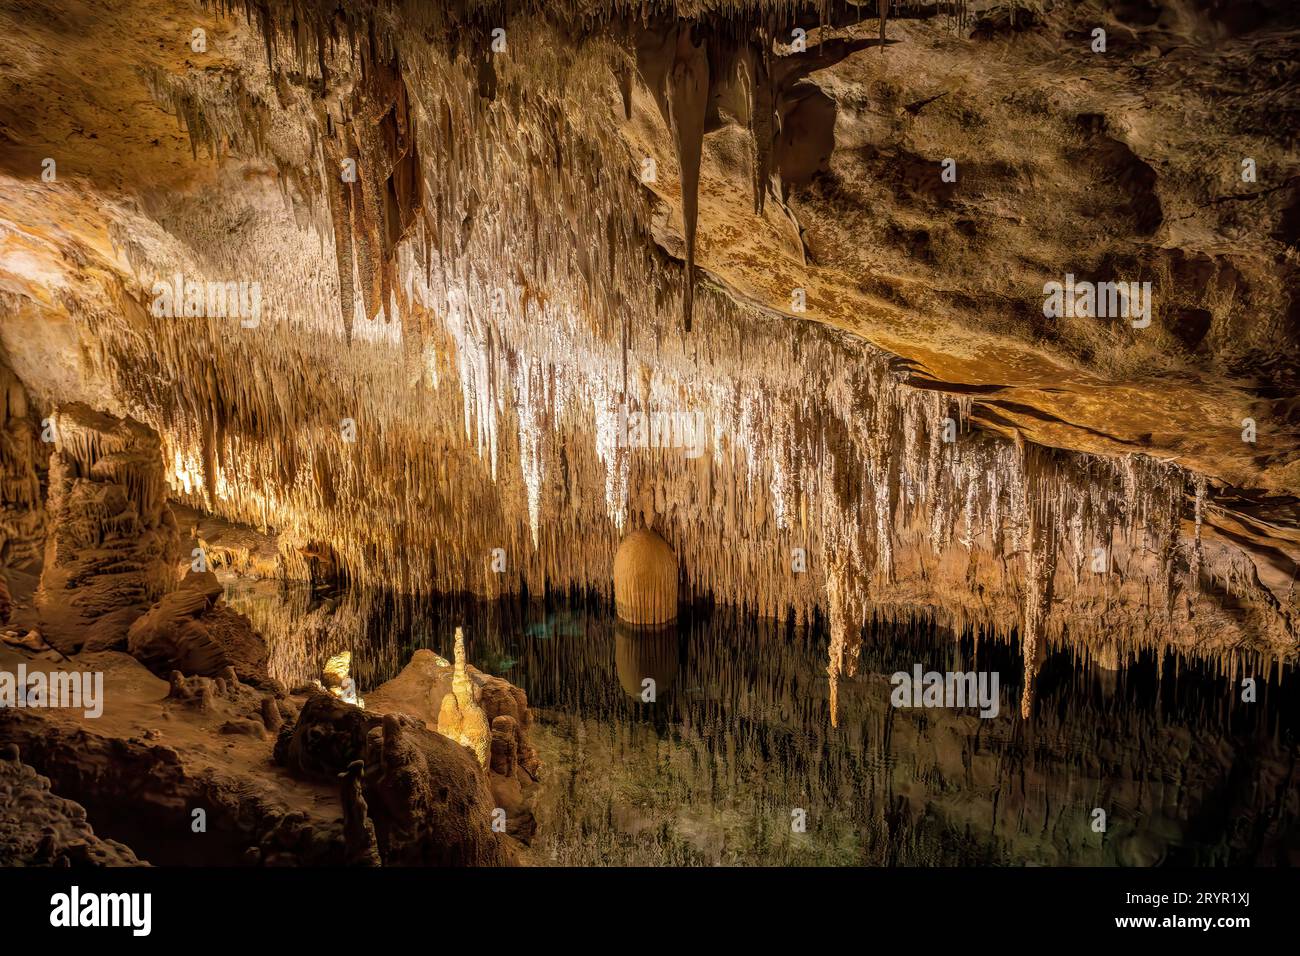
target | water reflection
[
  {"x": 646, "y": 659},
  {"x": 735, "y": 746}
]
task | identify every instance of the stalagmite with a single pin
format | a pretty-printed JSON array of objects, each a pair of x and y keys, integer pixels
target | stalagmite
[
  {"x": 336, "y": 676},
  {"x": 460, "y": 715},
  {"x": 113, "y": 548},
  {"x": 645, "y": 579}
]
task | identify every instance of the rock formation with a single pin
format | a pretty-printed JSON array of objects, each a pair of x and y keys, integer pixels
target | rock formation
[
  {"x": 189, "y": 630},
  {"x": 460, "y": 716},
  {"x": 337, "y": 678},
  {"x": 358, "y": 829},
  {"x": 38, "y": 828},
  {"x": 868, "y": 354},
  {"x": 22, "y": 511},
  {"x": 112, "y": 547},
  {"x": 424, "y": 690},
  {"x": 645, "y": 579},
  {"x": 427, "y": 799}
]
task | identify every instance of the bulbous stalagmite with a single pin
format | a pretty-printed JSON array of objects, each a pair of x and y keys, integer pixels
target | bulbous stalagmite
[{"x": 645, "y": 579}]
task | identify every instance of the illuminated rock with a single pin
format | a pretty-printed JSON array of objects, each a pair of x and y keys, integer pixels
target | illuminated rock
[
  {"x": 337, "y": 679},
  {"x": 113, "y": 547},
  {"x": 450, "y": 282},
  {"x": 427, "y": 799},
  {"x": 460, "y": 716},
  {"x": 645, "y": 579},
  {"x": 22, "y": 514}
]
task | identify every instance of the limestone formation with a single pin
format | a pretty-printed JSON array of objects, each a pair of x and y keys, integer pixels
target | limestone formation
[
  {"x": 327, "y": 736},
  {"x": 742, "y": 302},
  {"x": 430, "y": 801},
  {"x": 873, "y": 426},
  {"x": 460, "y": 715},
  {"x": 189, "y": 630},
  {"x": 645, "y": 579},
  {"x": 337, "y": 678},
  {"x": 812, "y": 165},
  {"x": 112, "y": 547},
  {"x": 39, "y": 828},
  {"x": 358, "y": 829},
  {"x": 424, "y": 691},
  {"x": 22, "y": 457},
  {"x": 426, "y": 797}
]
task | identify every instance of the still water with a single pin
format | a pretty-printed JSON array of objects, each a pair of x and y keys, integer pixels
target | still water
[{"x": 735, "y": 760}]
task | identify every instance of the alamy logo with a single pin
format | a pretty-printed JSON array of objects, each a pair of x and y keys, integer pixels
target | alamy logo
[
  {"x": 77, "y": 689},
  {"x": 191, "y": 299},
  {"x": 73, "y": 909},
  {"x": 1099, "y": 300},
  {"x": 948, "y": 689},
  {"x": 662, "y": 430}
]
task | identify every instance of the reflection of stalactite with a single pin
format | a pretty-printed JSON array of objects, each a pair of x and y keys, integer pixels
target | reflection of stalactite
[
  {"x": 1040, "y": 573},
  {"x": 845, "y": 611},
  {"x": 757, "y": 738}
]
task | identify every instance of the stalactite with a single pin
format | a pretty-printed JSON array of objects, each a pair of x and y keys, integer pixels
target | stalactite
[
  {"x": 505, "y": 244},
  {"x": 1198, "y": 550}
]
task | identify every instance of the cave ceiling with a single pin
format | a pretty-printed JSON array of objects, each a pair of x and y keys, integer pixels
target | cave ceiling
[{"x": 456, "y": 253}]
